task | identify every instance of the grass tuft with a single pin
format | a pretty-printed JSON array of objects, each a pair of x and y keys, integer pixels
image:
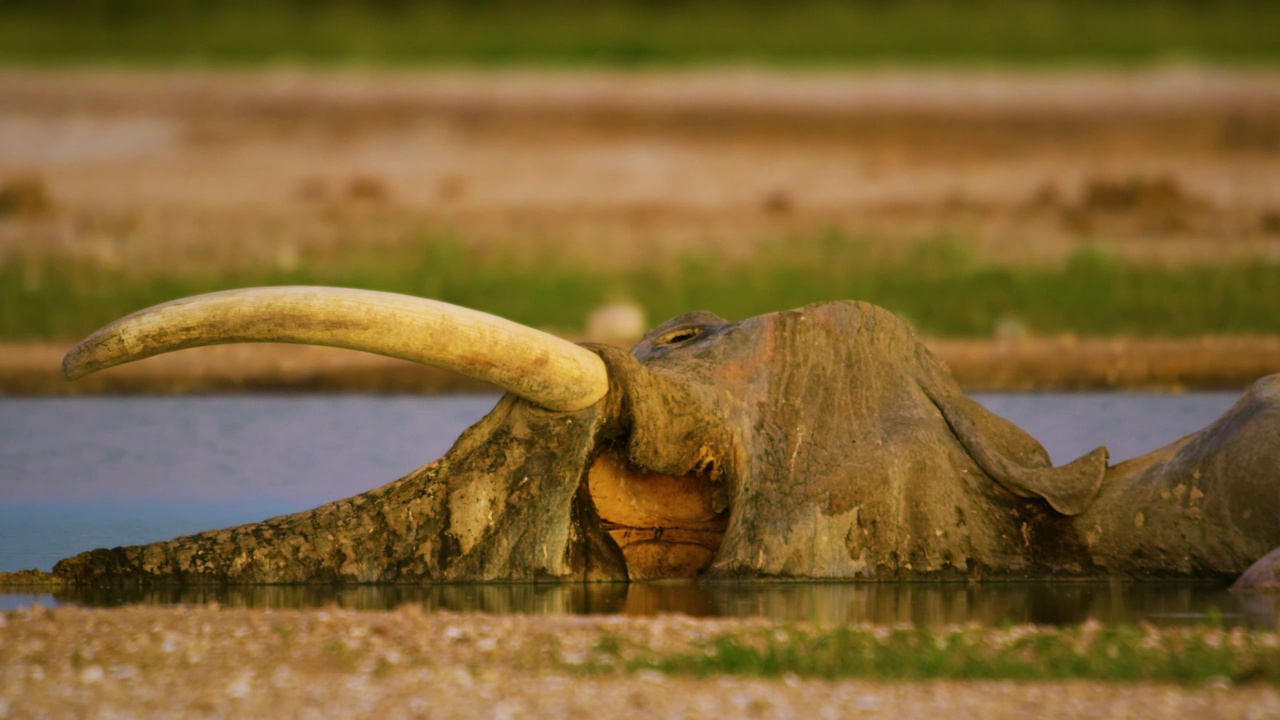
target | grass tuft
[
  {"x": 638, "y": 33},
  {"x": 1092, "y": 651}
]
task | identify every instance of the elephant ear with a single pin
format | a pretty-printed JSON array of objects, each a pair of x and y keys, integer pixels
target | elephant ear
[{"x": 1012, "y": 457}]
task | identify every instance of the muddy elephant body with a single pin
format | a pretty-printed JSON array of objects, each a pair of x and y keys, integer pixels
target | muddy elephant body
[
  {"x": 823, "y": 442},
  {"x": 1207, "y": 505}
]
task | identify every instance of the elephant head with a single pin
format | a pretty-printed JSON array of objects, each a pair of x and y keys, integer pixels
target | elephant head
[
  {"x": 821, "y": 442},
  {"x": 850, "y": 450}
]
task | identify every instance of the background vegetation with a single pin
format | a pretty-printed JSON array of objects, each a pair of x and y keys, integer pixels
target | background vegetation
[
  {"x": 632, "y": 33},
  {"x": 939, "y": 285}
]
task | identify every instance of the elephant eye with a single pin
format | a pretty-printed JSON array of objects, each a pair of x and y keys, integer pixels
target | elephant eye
[{"x": 675, "y": 337}]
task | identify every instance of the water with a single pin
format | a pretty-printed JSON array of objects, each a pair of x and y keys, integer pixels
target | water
[{"x": 81, "y": 473}]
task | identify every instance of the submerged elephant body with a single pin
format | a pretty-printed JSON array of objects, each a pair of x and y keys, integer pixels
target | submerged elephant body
[
  {"x": 1207, "y": 505},
  {"x": 824, "y": 442}
]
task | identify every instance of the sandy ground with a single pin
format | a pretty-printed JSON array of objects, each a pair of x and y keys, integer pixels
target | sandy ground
[
  {"x": 219, "y": 172},
  {"x": 211, "y": 662},
  {"x": 165, "y": 171}
]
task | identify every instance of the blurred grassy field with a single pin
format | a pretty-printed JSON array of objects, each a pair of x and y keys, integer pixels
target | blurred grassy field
[
  {"x": 1100, "y": 203},
  {"x": 939, "y": 285},
  {"x": 639, "y": 33}
]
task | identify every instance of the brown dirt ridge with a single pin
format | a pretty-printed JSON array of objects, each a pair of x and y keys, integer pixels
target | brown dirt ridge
[
  {"x": 169, "y": 171},
  {"x": 1027, "y": 364}
]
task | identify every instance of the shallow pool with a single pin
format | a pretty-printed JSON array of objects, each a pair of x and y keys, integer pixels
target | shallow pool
[{"x": 82, "y": 473}]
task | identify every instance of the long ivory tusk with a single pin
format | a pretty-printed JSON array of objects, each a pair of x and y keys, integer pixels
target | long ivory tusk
[{"x": 539, "y": 367}]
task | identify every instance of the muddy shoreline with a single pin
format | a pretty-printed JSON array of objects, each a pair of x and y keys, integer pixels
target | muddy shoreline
[{"x": 1027, "y": 364}]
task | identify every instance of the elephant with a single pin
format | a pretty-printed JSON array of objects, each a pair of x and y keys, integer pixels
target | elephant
[{"x": 824, "y": 442}]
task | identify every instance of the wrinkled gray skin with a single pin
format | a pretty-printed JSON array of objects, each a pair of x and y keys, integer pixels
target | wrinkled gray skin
[{"x": 840, "y": 446}]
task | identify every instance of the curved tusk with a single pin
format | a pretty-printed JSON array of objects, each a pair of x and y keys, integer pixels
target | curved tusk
[{"x": 539, "y": 367}]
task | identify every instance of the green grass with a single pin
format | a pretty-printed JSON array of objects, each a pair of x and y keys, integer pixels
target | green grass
[
  {"x": 938, "y": 285},
  {"x": 1124, "y": 653},
  {"x": 638, "y": 33}
]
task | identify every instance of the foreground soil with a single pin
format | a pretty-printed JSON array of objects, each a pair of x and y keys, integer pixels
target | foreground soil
[
  {"x": 1064, "y": 363},
  {"x": 212, "y": 662}
]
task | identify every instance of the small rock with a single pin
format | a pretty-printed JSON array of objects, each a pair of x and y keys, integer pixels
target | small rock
[
  {"x": 1219, "y": 682},
  {"x": 619, "y": 323},
  {"x": 867, "y": 702},
  {"x": 240, "y": 686},
  {"x": 1010, "y": 329},
  {"x": 777, "y": 202},
  {"x": 368, "y": 188},
  {"x": 25, "y": 196},
  {"x": 1269, "y": 222},
  {"x": 92, "y": 675},
  {"x": 650, "y": 676}
]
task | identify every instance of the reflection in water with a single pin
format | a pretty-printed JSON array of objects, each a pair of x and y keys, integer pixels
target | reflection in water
[
  {"x": 526, "y": 598},
  {"x": 827, "y": 603}
]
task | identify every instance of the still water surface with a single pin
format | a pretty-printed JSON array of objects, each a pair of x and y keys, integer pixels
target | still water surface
[
  {"x": 1045, "y": 603},
  {"x": 81, "y": 473}
]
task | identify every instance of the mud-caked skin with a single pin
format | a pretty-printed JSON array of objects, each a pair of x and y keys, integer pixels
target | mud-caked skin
[
  {"x": 1206, "y": 505},
  {"x": 830, "y": 440},
  {"x": 849, "y": 465},
  {"x": 503, "y": 504}
]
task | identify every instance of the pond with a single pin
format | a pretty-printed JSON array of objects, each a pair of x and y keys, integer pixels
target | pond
[{"x": 82, "y": 473}]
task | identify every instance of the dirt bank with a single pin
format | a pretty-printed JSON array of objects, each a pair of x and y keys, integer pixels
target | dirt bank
[
  {"x": 172, "y": 171},
  {"x": 1022, "y": 364},
  {"x": 211, "y": 662}
]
